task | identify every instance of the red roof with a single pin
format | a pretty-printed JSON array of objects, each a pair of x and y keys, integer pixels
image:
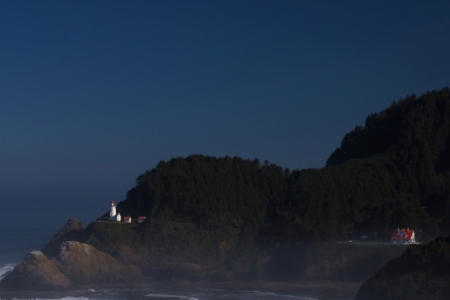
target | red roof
[
  {"x": 141, "y": 218},
  {"x": 402, "y": 234},
  {"x": 126, "y": 218}
]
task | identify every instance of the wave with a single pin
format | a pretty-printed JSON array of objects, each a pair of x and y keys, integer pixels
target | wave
[
  {"x": 256, "y": 295},
  {"x": 6, "y": 268},
  {"x": 68, "y": 298},
  {"x": 167, "y": 297},
  {"x": 282, "y": 296},
  {"x": 209, "y": 294},
  {"x": 14, "y": 255},
  {"x": 212, "y": 294},
  {"x": 65, "y": 298}
]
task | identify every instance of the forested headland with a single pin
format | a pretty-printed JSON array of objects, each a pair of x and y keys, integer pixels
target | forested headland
[
  {"x": 391, "y": 172},
  {"x": 238, "y": 218}
]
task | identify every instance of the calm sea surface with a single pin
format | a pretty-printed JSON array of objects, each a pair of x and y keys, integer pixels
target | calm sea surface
[{"x": 29, "y": 217}]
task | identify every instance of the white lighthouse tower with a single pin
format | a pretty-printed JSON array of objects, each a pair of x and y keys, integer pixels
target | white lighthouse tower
[{"x": 112, "y": 212}]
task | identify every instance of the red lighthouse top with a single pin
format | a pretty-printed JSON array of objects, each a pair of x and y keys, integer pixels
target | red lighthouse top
[{"x": 112, "y": 203}]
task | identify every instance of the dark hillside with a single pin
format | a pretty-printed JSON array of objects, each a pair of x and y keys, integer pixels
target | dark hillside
[
  {"x": 413, "y": 135},
  {"x": 411, "y": 128},
  {"x": 392, "y": 172}
]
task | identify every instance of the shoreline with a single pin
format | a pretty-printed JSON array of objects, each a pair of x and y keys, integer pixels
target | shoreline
[{"x": 322, "y": 290}]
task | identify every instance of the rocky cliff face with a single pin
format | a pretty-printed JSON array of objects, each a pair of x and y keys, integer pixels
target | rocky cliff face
[{"x": 422, "y": 272}]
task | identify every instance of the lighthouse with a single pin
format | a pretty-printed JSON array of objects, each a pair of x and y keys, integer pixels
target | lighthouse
[{"x": 112, "y": 212}]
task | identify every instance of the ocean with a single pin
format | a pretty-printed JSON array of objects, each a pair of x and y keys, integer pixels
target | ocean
[{"x": 31, "y": 216}]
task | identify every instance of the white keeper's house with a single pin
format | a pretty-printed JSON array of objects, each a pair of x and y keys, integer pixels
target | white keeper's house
[{"x": 403, "y": 236}]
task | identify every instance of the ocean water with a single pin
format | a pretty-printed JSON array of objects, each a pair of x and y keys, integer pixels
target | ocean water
[
  {"x": 30, "y": 216},
  {"x": 199, "y": 294}
]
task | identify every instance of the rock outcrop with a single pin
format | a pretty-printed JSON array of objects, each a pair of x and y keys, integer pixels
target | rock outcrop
[
  {"x": 75, "y": 265},
  {"x": 85, "y": 265},
  {"x": 422, "y": 272},
  {"x": 36, "y": 273},
  {"x": 70, "y": 232}
]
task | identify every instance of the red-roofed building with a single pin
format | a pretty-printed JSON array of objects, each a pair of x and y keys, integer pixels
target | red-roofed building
[
  {"x": 403, "y": 236},
  {"x": 141, "y": 219},
  {"x": 127, "y": 219}
]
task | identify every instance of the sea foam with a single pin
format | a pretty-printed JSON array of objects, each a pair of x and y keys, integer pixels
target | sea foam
[
  {"x": 6, "y": 268},
  {"x": 175, "y": 297},
  {"x": 268, "y": 294}
]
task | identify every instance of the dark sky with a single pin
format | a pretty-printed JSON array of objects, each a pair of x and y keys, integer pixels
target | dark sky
[{"x": 97, "y": 92}]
